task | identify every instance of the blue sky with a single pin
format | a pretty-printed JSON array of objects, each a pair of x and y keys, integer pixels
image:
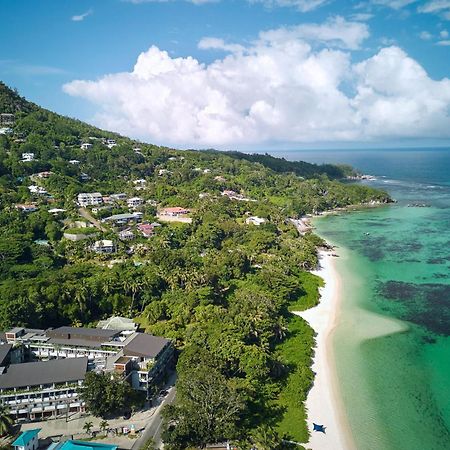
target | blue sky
[{"x": 239, "y": 92}]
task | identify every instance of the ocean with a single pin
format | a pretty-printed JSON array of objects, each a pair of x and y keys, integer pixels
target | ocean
[{"x": 392, "y": 343}]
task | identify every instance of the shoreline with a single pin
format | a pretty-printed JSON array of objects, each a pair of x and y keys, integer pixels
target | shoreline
[{"x": 324, "y": 403}]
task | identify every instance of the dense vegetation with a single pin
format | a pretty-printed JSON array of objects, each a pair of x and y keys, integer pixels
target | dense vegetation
[{"x": 220, "y": 288}]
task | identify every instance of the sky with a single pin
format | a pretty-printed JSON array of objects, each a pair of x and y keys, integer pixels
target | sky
[{"x": 238, "y": 74}]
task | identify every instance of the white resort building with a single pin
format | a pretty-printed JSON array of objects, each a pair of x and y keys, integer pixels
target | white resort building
[{"x": 47, "y": 386}]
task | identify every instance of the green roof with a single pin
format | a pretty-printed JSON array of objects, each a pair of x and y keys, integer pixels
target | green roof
[
  {"x": 25, "y": 437},
  {"x": 86, "y": 445}
]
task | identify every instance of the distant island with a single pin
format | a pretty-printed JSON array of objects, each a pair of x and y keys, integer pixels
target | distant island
[{"x": 199, "y": 247}]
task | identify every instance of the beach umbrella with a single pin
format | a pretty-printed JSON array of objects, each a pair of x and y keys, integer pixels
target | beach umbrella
[{"x": 319, "y": 428}]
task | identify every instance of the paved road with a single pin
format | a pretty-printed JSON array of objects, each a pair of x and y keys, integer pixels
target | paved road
[{"x": 154, "y": 427}]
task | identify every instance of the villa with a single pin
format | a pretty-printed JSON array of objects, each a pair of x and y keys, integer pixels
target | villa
[
  {"x": 105, "y": 246},
  {"x": 86, "y": 146},
  {"x": 89, "y": 199}
]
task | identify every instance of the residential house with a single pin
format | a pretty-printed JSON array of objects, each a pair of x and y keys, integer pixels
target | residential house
[
  {"x": 7, "y": 119},
  {"x": 147, "y": 230},
  {"x": 174, "y": 214},
  {"x": 27, "y": 440},
  {"x": 39, "y": 190},
  {"x": 89, "y": 199},
  {"x": 45, "y": 174},
  {"x": 105, "y": 246},
  {"x": 84, "y": 177},
  {"x": 175, "y": 211},
  {"x": 27, "y": 157},
  {"x": 6, "y": 130},
  {"x": 134, "y": 202},
  {"x": 74, "y": 161},
  {"x": 86, "y": 146},
  {"x": 254, "y": 220},
  {"x": 56, "y": 211},
  {"x": 126, "y": 235},
  {"x": 121, "y": 219},
  {"x": 110, "y": 143},
  {"x": 27, "y": 207},
  {"x": 162, "y": 172},
  {"x": 118, "y": 197}
]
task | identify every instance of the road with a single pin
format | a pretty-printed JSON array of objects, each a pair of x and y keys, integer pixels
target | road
[
  {"x": 87, "y": 215},
  {"x": 154, "y": 427}
]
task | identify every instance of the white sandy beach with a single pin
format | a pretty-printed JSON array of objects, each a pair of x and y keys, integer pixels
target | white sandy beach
[{"x": 324, "y": 404}]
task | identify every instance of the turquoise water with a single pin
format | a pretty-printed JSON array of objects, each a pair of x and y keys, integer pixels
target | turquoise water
[{"x": 392, "y": 345}]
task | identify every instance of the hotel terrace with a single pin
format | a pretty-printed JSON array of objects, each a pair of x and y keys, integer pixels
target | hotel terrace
[{"x": 47, "y": 386}]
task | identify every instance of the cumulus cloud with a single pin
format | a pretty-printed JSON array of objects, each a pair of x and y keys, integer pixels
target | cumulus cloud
[
  {"x": 280, "y": 88},
  {"x": 81, "y": 17}
]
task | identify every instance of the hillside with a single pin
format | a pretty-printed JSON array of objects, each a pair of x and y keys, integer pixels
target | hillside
[{"x": 196, "y": 246}]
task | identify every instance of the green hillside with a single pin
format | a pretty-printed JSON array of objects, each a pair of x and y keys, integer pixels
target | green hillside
[{"x": 218, "y": 279}]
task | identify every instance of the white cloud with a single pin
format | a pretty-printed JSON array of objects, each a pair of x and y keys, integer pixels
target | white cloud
[
  {"x": 334, "y": 32},
  {"x": 301, "y": 5},
  {"x": 394, "y": 4},
  {"x": 361, "y": 17},
  {"x": 195, "y": 2},
  {"x": 278, "y": 89},
  {"x": 435, "y": 6},
  {"x": 425, "y": 35},
  {"x": 440, "y": 7},
  {"x": 211, "y": 43},
  {"x": 81, "y": 17},
  {"x": 445, "y": 43},
  {"x": 444, "y": 34}
]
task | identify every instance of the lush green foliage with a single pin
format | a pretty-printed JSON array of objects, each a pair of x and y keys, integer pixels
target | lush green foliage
[
  {"x": 6, "y": 420},
  {"x": 216, "y": 284},
  {"x": 105, "y": 396}
]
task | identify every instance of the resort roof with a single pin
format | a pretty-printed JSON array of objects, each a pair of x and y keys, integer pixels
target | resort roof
[
  {"x": 144, "y": 345},
  {"x": 25, "y": 437},
  {"x": 4, "y": 350},
  {"x": 85, "y": 332},
  {"x": 46, "y": 372}
]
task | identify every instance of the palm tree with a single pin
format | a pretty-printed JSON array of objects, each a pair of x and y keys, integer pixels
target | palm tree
[
  {"x": 104, "y": 425},
  {"x": 88, "y": 427},
  {"x": 5, "y": 420},
  {"x": 265, "y": 437}
]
